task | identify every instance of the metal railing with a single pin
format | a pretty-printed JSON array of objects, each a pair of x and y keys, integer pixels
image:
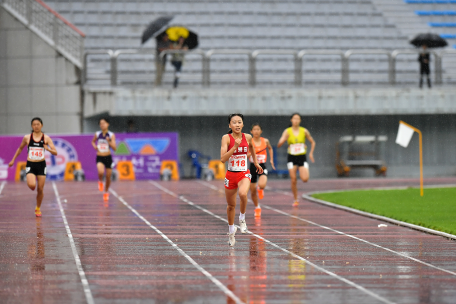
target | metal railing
[
  {"x": 50, "y": 26},
  {"x": 252, "y": 57}
]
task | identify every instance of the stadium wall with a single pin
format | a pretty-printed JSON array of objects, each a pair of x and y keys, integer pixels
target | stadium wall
[
  {"x": 310, "y": 100},
  {"x": 35, "y": 80},
  {"x": 203, "y": 133}
]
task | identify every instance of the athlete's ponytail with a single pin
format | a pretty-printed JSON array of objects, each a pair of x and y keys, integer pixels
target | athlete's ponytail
[{"x": 231, "y": 116}]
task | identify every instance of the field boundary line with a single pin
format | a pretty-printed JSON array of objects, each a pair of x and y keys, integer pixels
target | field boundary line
[{"x": 376, "y": 216}]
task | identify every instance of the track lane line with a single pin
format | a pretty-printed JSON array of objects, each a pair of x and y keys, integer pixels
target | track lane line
[
  {"x": 339, "y": 232},
  {"x": 219, "y": 284},
  {"x": 332, "y": 274},
  {"x": 85, "y": 283}
]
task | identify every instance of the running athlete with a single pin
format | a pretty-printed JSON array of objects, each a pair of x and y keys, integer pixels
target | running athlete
[
  {"x": 235, "y": 146},
  {"x": 37, "y": 142},
  {"x": 260, "y": 145},
  {"x": 103, "y": 141},
  {"x": 297, "y": 150}
]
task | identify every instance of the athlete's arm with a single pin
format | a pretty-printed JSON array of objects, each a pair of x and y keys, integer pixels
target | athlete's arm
[
  {"x": 112, "y": 142},
  {"x": 224, "y": 153},
  {"x": 271, "y": 153},
  {"x": 283, "y": 139},
  {"x": 252, "y": 149},
  {"x": 50, "y": 145},
  {"x": 312, "y": 145},
  {"x": 94, "y": 140},
  {"x": 19, "y": 150}
]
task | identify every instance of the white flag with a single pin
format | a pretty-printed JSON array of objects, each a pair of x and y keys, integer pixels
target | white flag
[{"x": 404, "y": 135}]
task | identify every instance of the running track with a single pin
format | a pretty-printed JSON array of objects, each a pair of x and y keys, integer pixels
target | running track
[{"x": 165, "y": 242}]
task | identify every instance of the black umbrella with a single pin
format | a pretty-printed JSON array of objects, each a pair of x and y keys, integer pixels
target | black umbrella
[
  {"x": 154, "y": 27},
  {"x": 430, "y": 40},
  {"x": 192, "y": 41}
]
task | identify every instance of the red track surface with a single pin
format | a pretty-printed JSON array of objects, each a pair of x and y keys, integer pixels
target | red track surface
[{"x": 174, "y": 248}]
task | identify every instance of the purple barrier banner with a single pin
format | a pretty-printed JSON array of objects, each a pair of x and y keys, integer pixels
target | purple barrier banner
[{"x": 145, "y": 150}]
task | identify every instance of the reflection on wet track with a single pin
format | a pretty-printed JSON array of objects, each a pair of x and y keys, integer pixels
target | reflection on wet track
[{"x": 284, "y": 260}]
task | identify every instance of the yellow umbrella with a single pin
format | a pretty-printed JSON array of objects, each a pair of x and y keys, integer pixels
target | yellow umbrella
[{"x": 175, "y": 32}]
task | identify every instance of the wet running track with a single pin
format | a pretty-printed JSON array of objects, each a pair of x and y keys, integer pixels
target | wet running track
[{"x": 166, "y": 242}]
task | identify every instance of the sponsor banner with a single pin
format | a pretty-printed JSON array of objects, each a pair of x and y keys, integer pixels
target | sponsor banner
[{"x": 145, "y": 150}]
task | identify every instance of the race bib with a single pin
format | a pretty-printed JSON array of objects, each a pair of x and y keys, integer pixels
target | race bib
[
  {"x": 261, "y": 158},
  {"x": 297, "y": 149},
  {"x": 103, "y": 146},
  {"x": 36, "y": 153},
  {"x": 238, "y": 163}
]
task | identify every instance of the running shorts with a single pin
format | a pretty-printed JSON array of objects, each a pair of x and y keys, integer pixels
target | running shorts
[
  {"x": 233, "y": 178},
  {"x": 36, "y": 168},
  {"x": 105, "y": 160},
  {"x": 255, "y": 175},
  {"x": 296, "y": 160}
]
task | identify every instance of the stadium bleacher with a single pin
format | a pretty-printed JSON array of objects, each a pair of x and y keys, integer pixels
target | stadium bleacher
[{"x": 288, "y": 24}]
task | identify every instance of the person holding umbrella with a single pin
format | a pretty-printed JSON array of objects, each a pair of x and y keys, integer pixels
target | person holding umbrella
[
  {"x": 178, "y": 59},
  {"x": 425, "y": 41},
  {"x": 424, "y": 59},
  {"x": 152, "y": 30},
  {"x": 163, "y": 44},
  {"x": 169, "y": 37}
]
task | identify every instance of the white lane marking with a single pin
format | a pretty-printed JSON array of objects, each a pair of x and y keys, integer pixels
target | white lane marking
[
  {"x": 343, "y": 233},
  {"x": 2, "y": 186},
  {"x": 85, "y": 283},
  {"x": 192, "y": 261},
  {"x": 332, "y": 274}
]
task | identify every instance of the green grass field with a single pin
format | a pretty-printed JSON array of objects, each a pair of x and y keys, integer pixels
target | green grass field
[{"x": 435, "y": 210}]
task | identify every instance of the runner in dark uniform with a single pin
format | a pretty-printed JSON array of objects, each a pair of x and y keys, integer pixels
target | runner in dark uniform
[
  {"x": 103, "y": 141},
  {"x": 37, "y": 142}
]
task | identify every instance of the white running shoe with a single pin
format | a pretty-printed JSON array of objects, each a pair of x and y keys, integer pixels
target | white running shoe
[
  {"x": 231, "y": 239},
  {"x": 243, "y": 226}
]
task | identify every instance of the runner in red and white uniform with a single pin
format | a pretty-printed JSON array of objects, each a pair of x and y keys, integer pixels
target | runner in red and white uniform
[
  {"x": 35, "y": 169},
  {"x": 261, "y": 146},
  {"x": 235, "y": 146}
]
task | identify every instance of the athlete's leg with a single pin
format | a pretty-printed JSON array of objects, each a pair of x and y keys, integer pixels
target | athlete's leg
[
  {"x": 262, "y": 181},
  {"x": 294, "y": 187},
  {"x": 231, "y": 205},
  {"x": 40, "y": 194},
  {"x": 304, "y": 173},
  {"x": 31, "y": 181},
  {"x": 108, "y": 179},
  {"x": 243, "y": 186},
  {"x": 100, "y": 169},
  {"x": 253, "y": 194}
]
